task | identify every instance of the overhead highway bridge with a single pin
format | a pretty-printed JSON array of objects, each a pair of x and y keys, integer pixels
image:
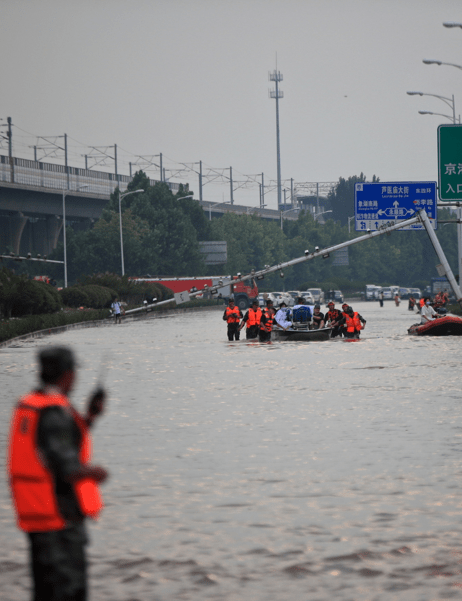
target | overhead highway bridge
[{"x": 31, "y": 202}]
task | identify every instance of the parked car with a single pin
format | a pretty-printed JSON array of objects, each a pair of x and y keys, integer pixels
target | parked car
[
  {"x": 306, "y": 295},
  {"x": 286, "y": 297},
  {"x": 318, "y": 295},
  {"x": 269, "y": 296},
  {"x": 387, "y": 293},
  {"x": 416, "y": 293},
  {"x": 404, "y": 293},
  {"x": 371, "y": 292},
  {"x": 338, "y": 296}
]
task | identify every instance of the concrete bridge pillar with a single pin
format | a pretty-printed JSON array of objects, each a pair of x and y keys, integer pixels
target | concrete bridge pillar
[
  {"x": 17, "y": 223},
  {"x": 45, "y": 234},
  {"x": 54, "y": 226}
]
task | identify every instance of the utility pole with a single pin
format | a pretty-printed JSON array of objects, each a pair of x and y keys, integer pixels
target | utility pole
[
  {"x": 10, "y": 150},
  {"x": 276, "y": 76},
  {"x": 231, "y": 184}
]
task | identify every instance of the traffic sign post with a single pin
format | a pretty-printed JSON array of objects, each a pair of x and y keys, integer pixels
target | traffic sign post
[
  {"x": 450, "y": 162},
  {"x": 379, "y": 203}
]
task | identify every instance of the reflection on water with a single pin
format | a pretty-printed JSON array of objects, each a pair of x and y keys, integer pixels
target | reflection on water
[{"x": 304, "y": 470}]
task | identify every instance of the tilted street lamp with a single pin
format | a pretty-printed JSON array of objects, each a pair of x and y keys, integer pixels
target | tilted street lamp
[
  {"x": 65, "y": 192},
  {"x": 121, "y": 196},
  {"x": 183, "y": 197}
]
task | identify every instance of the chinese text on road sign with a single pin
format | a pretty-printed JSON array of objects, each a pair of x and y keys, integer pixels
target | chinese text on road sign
[
  {"x": 379, "y": 203},
  {"x": 450, "y": 162}
]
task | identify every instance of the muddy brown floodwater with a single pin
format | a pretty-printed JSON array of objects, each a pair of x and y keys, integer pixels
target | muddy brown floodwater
[{"x": 246, "y": 471}]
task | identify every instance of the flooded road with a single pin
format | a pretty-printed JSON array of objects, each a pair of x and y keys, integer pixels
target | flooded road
[{"x": 246, "y": 471}]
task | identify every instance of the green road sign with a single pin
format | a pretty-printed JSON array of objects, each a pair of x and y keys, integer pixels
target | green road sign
[{"x": 450, "y": 162}]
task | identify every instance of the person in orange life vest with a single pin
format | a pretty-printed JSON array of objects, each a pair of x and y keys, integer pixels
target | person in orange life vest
[
  {"x": 53, "y": 485},
  {"x": 232, "y": 316},
  {"x": 342, "y": 330},
  {"x": 336, "y": 319},
  {"x": 354, "y": 323},
  {"x": 252, "y": 319},
  {"x": 421, "y": 302},
  {"x": 266, "y": 322}
]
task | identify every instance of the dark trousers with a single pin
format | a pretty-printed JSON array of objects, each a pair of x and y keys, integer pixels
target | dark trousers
[
  {"x": 355, "y": 334},
  {"x": 233, "y": 331},
  {"x": 58, "y": 562},
  {"x": 251, "y": 332},
  {"x": 264, "y": 336}
]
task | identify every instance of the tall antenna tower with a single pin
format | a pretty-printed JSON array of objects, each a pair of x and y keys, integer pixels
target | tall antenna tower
[{"x": 276, "y": 76}]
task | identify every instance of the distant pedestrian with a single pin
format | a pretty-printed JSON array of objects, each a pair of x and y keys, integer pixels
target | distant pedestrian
[
  {"x": 397, "y": 299},
  {"x": 381, "y": 298},
  {"x": 117, "y": 308}
]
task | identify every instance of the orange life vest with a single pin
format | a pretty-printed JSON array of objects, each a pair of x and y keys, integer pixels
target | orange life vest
[
  {"x": 233, "y": 315},
  {"x": 353, "y": 323},
  {"x": 333, "y": 315},
  {"x": 268, "y": 325},
  {"x": 32, "y": 484},
  {"x": 254, "y": 318}
]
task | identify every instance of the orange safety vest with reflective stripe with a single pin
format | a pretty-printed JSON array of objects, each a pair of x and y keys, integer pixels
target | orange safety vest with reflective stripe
[
  {"x": 254, "y": 318},
  {"x": 268, "y": 325},
  {"x": 353, "y": 323},
  {"x": 233, "y": 315},
  {"x": 32, "y": 484}
]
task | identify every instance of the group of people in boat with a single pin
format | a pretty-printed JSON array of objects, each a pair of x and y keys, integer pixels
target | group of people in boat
[{"x": 259, "y": 322}]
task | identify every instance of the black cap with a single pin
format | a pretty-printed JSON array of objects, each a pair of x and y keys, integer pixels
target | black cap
[
  {"x": 255, "y": 302},
  {"x": 282, "y": 304},
  {"x": 54, "y": 362},
  {"x": 317, "y": 306}
]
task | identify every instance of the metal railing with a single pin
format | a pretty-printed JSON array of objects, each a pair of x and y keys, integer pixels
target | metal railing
[{"x": 58, "y": 177}]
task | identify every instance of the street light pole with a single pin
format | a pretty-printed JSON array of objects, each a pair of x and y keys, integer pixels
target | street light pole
[
  {"x": 64, "y": 229},
  {"x": 288, "y": 211},
  {"x": 449, "y": 101},
  {"x": 352, "y": 217},
  {"x": 216, "y": 205},
  {"x": 440, "y": 114},
  {"x": 322, "y": 213},
  {"x": 121, "y": 196}
]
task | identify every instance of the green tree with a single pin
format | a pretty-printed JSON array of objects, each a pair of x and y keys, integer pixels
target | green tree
[{"x": 342, "y": 198}]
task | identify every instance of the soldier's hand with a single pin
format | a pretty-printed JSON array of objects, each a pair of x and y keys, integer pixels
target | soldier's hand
[{"x": 96, "y": 403}]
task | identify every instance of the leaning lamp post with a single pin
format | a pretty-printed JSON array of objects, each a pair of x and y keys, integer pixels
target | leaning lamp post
[
  {"x": 64, "y": 229},
  {"x": 121, "y": 196}
]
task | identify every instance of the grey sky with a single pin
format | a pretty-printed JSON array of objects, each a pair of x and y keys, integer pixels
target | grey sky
[{"x": 189, "y": 78}]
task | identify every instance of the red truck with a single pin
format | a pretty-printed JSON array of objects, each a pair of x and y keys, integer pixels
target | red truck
[{"x": 244, "y": 292}]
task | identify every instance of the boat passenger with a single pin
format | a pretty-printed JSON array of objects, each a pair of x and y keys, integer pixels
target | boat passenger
[
  {"x": 232, "y": 316},
  {"x": 354, "y": 323},
  {"x": 282, "y": 317},
  {"x": 252, "y": 319},
  {"x": 335, "y": 318},
  {"x": 266, "y": 322},
  {"x": 427, "y": 313},
  {"x": 301, "y": 312},
  {"x": 318, "y": 318}
]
